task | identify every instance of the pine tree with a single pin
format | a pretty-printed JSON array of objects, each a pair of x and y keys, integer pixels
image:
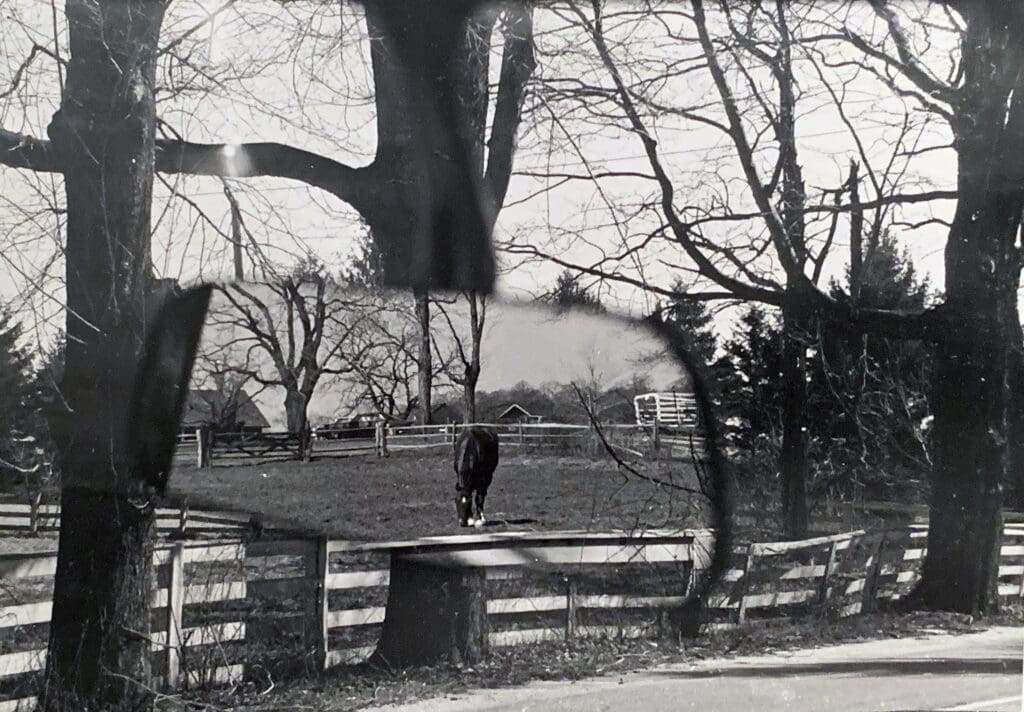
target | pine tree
[
  {"x": 20, "y": 418},
  {"x": 692, "y": 319},
  {"x": 568, "y": 293}
]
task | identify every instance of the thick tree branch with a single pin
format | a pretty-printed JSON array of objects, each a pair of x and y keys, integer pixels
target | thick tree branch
[
  {"x": 249, "y": 160},
  {"x": 245, "y": 160}
]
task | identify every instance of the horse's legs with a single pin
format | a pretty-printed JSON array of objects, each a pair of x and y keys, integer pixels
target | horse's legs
[{"x": 479, "y": 497}]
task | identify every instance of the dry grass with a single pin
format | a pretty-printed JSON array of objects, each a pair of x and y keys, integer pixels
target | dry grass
[
  {"x": 410, "y": 495},
  {"x": 360, "y": 687}
]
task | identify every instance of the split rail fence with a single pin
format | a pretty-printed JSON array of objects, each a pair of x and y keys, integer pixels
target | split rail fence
[
  {"x": 224, "y": 611},
  {"x": 208, "y": 449}
]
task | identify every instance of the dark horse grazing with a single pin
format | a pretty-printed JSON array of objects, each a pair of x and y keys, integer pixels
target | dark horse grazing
[{"x": 476, "y": 457}]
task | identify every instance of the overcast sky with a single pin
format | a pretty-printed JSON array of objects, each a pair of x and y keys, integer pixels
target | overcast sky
[
  {"x": 305, "y": 80},
  {"x": 525, "y": 343}
]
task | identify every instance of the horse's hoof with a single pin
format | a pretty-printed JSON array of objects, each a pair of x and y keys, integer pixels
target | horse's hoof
[
  {"x": 478, "y": 523},
  {"x": 470, "y": 522}
]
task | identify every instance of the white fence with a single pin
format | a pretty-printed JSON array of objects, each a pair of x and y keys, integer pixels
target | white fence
[
  {"x": 215, "y": 604},
  {"x": 34, "y": 518},
  {"x": 381, "y": 440}
]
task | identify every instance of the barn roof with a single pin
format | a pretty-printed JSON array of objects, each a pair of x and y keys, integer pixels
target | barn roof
[
  {"x": 203, "y": 405},
  {"x": 515, "y": 409}
]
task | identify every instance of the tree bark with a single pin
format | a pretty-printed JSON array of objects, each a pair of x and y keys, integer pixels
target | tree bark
[
  {"x": 104, "y": 135},
  {"x": 469, "y": 397},
  {"x": 424, "y": 358},
  {"x": 970, "y": 392},
  {"x": 434, "y": 613},
  {"x": 295, "y": 404},
  {"x": 1015, "y": 475},
  {"x": 793, "y": 458}
]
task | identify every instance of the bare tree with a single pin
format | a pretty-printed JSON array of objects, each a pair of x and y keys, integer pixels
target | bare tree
[
  {"x": 748, "y": 48},
  {"x": 382, "y": 364},
  {"x": 465, "y": 365},
  {"x": 725, "y": 251},
  {"x": 291, "y": 333}
]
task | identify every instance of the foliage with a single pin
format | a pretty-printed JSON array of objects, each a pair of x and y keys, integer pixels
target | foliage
[
  {"x": 23, "y": 431},
  {"x": 692, "y": 319},
  {"x": 569, "y": 293},
  {"x": 867, "y": 405}
]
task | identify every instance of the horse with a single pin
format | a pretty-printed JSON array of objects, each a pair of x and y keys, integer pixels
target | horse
[{"x": 476, "y": 457}]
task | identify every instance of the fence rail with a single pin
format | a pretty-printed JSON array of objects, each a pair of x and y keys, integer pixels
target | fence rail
[
  {"x": 324, "y": 601},
  {"x": 34, "y": 518},
  {"x": 206, "y": 449}
]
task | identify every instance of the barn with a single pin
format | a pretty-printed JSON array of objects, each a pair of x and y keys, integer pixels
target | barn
[
  {"x": 516, "y": 413},
  {"x": 213, "y": 409}
]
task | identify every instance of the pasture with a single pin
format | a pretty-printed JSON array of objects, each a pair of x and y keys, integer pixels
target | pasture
[{"x": 413, "y": 494}]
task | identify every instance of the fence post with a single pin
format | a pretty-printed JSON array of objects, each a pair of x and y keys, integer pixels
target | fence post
[
  {"x": 869, "y": 601},
  {"x": 829, "y": 565},
  {"x": 323, "y": 570},
  {"x": 33, "y": 517},
  {"x": 306, "y": 443},
  {"x": 199, "y": 447},
  {"x": 744, "y": 586},
  {"x": 521, "y": 438},
  {"x": 206, "y": 438},
  {"x": 183, "y": 519},
  {"x": 175, "y": 604},
  {"x": 571, "y": 621}
]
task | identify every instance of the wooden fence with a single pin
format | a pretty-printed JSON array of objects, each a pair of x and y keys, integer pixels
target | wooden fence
[
  {"x": 840, "y": 575},
  {"x": 226, "y": 610},
  {"x": 36, "y": 518},
  {"x": 205, "y": 449}
]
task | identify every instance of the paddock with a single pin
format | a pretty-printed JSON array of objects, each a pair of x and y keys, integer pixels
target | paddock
[{"x": 412, "y": 494}]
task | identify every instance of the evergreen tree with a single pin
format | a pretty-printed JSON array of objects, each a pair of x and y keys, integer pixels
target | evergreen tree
[
  {"x": 692, "y": 319},
  {"x": 20, "y": 418},
  {"x": 568, "y": 293},
  {"x": 866, "y": 395},
  {"x": 750, "y": 380},
  {"x": 365, "y": 269}
]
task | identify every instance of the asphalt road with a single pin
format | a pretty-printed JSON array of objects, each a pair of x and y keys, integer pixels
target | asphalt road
[{"x": 976, "y": 671}]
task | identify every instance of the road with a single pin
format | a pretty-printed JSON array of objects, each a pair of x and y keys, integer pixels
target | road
[{"x": 939, "y": 672}]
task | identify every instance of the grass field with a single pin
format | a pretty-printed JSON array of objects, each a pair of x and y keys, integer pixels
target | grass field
[{"x": 413, "y": 494}]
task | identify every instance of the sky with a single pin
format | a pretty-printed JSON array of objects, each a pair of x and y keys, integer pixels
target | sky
[
  {"x": 303, "y": 77},
  {"x": 522, "y": 343}
]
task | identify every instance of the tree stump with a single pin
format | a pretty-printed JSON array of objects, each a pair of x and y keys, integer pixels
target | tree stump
[{"x": 434, "y": 613}]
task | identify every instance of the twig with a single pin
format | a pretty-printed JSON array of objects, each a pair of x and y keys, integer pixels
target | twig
[{"x": 622, "y": 464}]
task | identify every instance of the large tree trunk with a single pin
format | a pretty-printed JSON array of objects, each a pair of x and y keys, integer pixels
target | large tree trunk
[
  {"x": 970, "y": 397},
  {"x": 971, "y": 383},
  {"x": 104, "y": 135},
  {"x": 434, "y": 613},
  {"x": 424, "y": 359},
  {"x": 793, "y": 458},
  {"x": 295, "y": 404},
  {"x": 1015, "y": 474},
  {"x": 469, "y": 395}
]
